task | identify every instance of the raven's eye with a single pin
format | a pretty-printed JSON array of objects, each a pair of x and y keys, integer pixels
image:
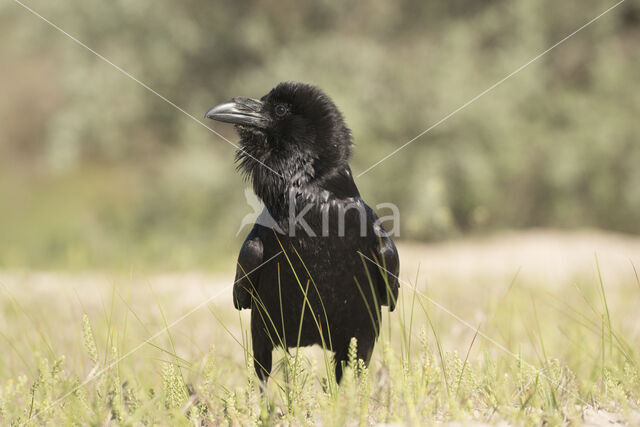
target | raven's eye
[{"x": 280, "y": 110}]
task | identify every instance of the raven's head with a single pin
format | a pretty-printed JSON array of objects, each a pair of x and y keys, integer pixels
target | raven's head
[{"x": 295, "y": 130}]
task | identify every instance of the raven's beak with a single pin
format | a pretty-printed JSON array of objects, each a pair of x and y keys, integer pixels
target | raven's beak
[{"x": 240, "y": 111}]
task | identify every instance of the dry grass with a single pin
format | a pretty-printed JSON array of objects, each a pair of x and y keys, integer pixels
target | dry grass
[{"x": 514, "y": 328}]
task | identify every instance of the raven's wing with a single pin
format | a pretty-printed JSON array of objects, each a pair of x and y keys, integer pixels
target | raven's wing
[
  {"x": 247, "y": 278},
  {"x": 388, "y": 264},
  {"x": 388, "y": 257}
]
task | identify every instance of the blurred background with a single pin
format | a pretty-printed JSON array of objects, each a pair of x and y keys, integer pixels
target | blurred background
[{"x": 97, "y": 172}]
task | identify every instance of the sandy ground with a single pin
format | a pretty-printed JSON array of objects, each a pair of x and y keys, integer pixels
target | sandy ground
[
  {"x": 548, "y": 256},
  {"x": 551, "y": 258},
  {"x": 462, "y": 275}
]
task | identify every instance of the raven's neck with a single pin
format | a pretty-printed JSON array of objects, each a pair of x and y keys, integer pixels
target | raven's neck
[
  {"x": 283, "y": 173},
  {"x": 291, "y": 174},
  {"x": 302, "y": 184}
]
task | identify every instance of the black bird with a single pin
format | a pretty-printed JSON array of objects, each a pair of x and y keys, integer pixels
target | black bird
[{"x": 327, "y": 285}]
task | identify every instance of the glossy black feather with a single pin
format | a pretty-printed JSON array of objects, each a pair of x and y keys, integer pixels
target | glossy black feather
[
  {"x": 247, "y": 276},
  {"x": 322, "y": 289}
]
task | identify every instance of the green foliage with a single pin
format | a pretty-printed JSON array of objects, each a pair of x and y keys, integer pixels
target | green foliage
[{"x": 95, "y": 170}]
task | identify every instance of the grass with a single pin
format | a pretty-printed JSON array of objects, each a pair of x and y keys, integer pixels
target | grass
[{"x": 538, "y": 355}]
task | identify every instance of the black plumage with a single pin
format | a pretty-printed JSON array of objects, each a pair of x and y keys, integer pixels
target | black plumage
[{"x": 322, "y": 289}]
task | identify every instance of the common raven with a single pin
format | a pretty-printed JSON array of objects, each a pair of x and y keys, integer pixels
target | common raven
[{"x": 322, "y": 289}]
